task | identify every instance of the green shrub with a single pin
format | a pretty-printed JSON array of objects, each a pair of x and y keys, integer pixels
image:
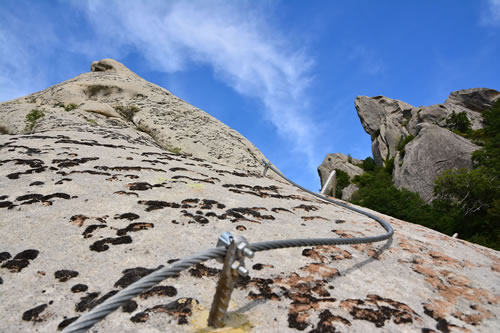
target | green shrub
[
  {"x": 70, "y": 107},
  {"x": 174, "y": 150},
  {"x": 368, "y": 164},
  {"x": 403, "y": 141},
  {"x": 94, "y": 89},
  {"x": 349, "y": 158},
  {"x": 343, "y": 180},
  {"x": 459, "y": 122},
  {"x": 32, "y": 118},
  {"x": 127, "y": 111}
]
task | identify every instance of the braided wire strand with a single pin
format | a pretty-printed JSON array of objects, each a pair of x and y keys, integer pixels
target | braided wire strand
[{"x": 89, "y": 319}]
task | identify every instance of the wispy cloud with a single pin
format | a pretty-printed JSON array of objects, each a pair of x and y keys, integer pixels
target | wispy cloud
[
  {"x": 233, "y": 38},
  {"x": 18, "y": 74},
  {"x": 491, "y": 13}
]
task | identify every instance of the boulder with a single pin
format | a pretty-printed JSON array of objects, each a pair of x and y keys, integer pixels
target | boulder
[
  {"x": 384, "y": 119},
  {"x": 339, "y": 161},
  {"x": 433, "y": 151}
]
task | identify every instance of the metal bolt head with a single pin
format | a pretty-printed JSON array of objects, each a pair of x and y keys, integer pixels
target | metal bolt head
[{"x": 242, "y": 270}]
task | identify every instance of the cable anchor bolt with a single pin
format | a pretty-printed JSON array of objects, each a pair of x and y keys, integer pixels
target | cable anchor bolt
[{"x": 234, "y": 265}]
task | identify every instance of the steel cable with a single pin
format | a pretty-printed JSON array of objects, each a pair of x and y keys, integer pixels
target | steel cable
[{"x": 87, "y": 320}]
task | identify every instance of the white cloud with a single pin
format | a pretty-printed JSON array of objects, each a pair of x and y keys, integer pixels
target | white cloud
[
  {"x": 18, "y": 73},
  {"x": 243, "y": 49},
  {"x": 491, "y": 14}
]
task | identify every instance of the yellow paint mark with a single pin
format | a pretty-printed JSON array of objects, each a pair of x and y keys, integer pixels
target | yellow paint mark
[
  {"x": 162, "y": 180},
  {"x": 195, "y": 186},
  {"x": 235, "y": 322}
]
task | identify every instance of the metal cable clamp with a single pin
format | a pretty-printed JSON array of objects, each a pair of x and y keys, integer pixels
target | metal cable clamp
[{"x": 234, "y": 265}]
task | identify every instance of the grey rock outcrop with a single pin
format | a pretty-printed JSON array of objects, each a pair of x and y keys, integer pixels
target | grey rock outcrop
[
  {"x": 388, "y": 120},
  {"x": 429, "y": 153},
  {"x": 112, "y": 95},
  {"x": 89, "y": 207},
  {"x": 341, "y": 162},
  {"x": 384, "y": 120},
  {"x": 433, "y": 151}
]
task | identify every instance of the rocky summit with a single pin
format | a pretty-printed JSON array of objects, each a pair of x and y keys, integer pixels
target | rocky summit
[
  {"x": 106, "y": 177},
  {"x": 407, "y": 135}
]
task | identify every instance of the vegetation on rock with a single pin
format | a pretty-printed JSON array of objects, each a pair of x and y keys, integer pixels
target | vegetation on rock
[
  {"x": 127, "y": 111},
  {"x": 343, "y": 180},
  {"x": 32, "y": 118},
  {"x": 468, "y": 201},
  {"x": 459, "y": 123}
]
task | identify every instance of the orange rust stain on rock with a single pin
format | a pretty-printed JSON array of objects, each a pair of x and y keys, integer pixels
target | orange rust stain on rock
[
  {"x": 495, "y": 267},
  {"x": 474, "y": 318},
  {"x": 442, "y": 259},
  {"x": 324, "y": 271}
]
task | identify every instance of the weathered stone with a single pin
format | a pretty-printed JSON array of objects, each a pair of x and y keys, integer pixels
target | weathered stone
[
  {"x": 341, "y": 162},
  {"x": 95, "y": 183},
  {"x": 433, "y": 151},
  {"x": 348, "y": 191},
  {"x": 384, "y": 119}
]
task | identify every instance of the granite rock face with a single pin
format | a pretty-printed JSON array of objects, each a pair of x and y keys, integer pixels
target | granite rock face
[
  {"x": 112, "y": 95},
  {"x": 89, "y": 207},
  {"x": 428, "y": 154},
  {"x": 433, "y": 151},
  {"x": 341, "y": 162}
]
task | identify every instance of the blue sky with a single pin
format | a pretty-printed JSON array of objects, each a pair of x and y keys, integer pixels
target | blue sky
[{"x": 282, "y": 73}]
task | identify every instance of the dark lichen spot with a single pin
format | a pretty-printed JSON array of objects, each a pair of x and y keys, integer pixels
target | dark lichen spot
[
  {"x": 180, "y": 308},
  {"x": 5, "y": 204},
  {"x": 278, "y": 209},
  {"x": 60, "y": 182},
  {"x": 157, "y": 204},
  {"x": 85, "y": 302},
  {"x": 101, "y": 245},
  {"x": 201, "y": 270},
  {"x": 4, "y": 256},
  {"x": 257, "y": 267},
  {"x": 79, "y": 288},
  {"x": 89, "y": 302},
  {"x": 159, "y": 291},
  {"x": 129, "y": 307},
  {"x": 140, "y": 186},
  {"x": 294, "y": 322},
  {"x": 68, "y": 163},
  {"x": 140, "y": 317},
  {"x": 133, "y": 227},
  {"x": 21, "y": 260},
  {"x": 442, "y": 325},
  {"x": 64, "y": 275},
  {"x": 34, "y": 314},
  {"x": 325, "y": 324},
  {"x": 307, "y": 208},
  {"x": 78, "y": 219},
  {"x": 200, "y": 219},
  {"x": 239, "y": 212},
  {"x": 130, "y": 275},
  {"x": 87, "y": 233},
  {"x": 128, "y": 216},
  {"x": 66, "y": 322}
]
